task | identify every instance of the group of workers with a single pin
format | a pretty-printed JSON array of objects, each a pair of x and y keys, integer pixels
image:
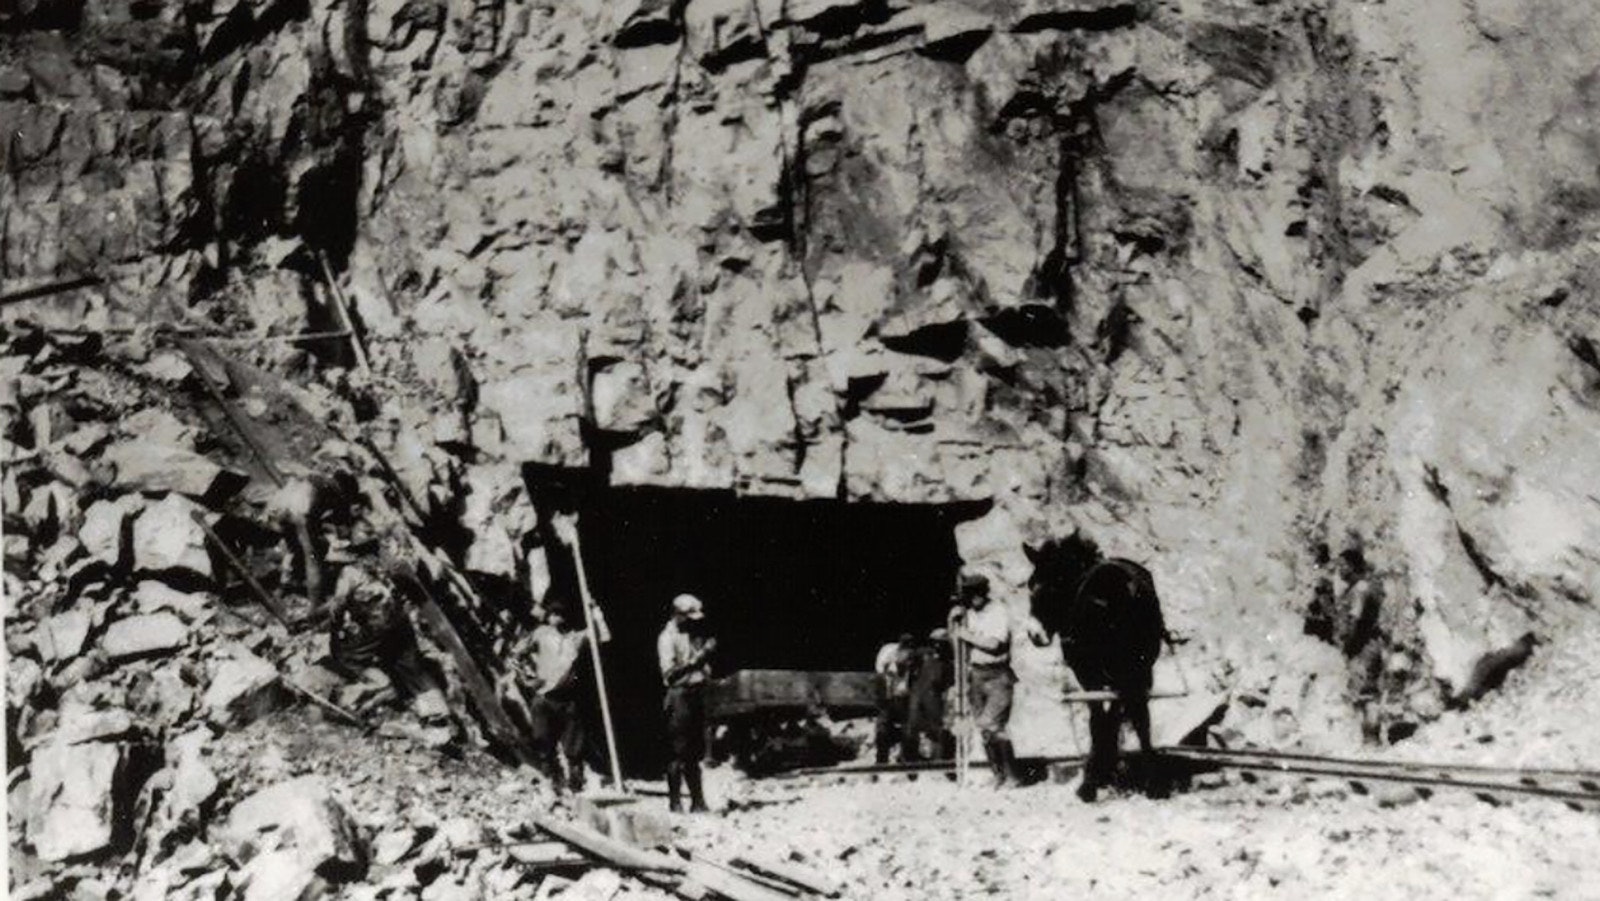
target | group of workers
[
  {"x": 549, "y": 664},
  {"x": 919, "y": 677}
]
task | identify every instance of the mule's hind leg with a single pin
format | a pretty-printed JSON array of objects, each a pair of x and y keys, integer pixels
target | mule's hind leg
[
  {"x": 1139, "y": 715},
  {"x": 1102, "y": 762}
]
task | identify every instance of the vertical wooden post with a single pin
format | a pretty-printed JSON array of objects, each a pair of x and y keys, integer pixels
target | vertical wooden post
[
  {"x": 959, "y": 660},
  {"x": 590, "y": 609},
  {"x": 340, "y": 306}
]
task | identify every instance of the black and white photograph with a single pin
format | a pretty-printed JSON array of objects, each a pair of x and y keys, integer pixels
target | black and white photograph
[{"x": 787, "y": 450}]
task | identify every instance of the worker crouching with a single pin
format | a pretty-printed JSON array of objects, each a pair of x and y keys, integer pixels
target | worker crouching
[{"x": 684, "y": 650}]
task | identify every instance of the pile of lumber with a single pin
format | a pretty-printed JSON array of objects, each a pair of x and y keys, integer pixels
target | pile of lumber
[{"x": 684, "y": 872}]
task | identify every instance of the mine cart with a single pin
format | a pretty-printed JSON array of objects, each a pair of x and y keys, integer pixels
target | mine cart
[{"x": 770, "y": 720}]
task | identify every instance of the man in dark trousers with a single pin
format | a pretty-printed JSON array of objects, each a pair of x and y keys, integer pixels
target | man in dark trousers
[
  {"x": 931, "y": 677},
  {"x": 550, "y": 662},
  {"x": 684, "y": 650},
  {"x": 987, "y": 628},
  {"x": 893, "y": 667}
]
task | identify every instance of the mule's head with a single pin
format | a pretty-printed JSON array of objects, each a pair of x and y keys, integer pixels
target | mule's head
[{"x": 1059, "y": 566}]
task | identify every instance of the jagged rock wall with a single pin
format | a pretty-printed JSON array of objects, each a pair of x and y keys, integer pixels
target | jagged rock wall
[{"x": 1292, "y": 301}]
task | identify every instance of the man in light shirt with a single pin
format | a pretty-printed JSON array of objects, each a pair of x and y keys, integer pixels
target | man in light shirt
[
  {"x": 548, "y": 660},
  {"x": 893, "y": 667},
  {"x": 684, "y": 650},
  {"x": 986, "y": 628}
]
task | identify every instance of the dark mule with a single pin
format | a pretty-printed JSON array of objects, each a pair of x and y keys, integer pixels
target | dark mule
[{"x": 1109, "y": 619}]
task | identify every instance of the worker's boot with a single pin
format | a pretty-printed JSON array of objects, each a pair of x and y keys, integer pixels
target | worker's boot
[
  {"x": 991, "y": 750},
  {"x": 675, "y": 787},
  {"x": 1008, "y": 760},
  {"x": 697, "y": 798},
  {"x": 550, "y": 766}
]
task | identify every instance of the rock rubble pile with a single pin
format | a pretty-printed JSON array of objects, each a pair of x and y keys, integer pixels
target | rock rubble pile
[{"x": 158, "y": 600}]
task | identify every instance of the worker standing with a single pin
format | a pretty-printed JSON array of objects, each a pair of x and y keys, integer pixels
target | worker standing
[
  {"x": 986, "y": 629},
  {"x": 930, "y": 677},
  {"x": 548, "y": 661},
  {"x": 684, "y": 650},
  {"x": 893, "y": 666}
]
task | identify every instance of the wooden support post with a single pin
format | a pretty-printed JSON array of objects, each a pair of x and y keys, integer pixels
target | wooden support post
[
  {"x": 266, "y": 600},
  {"x": 234, "y": 418},
  {"x": 591, "y": 615},
  {"x": 49, "y": 289},
  {"x": 963, "y": 720},
  {"x": 477, "y": 685},
  {"x": 336, "y": 295},
  {"x": 324, "y": 703}
]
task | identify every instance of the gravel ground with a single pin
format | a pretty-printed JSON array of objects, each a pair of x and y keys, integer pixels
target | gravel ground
[
  {"x": 1275, "y": 838},
  {"x": 930, "y": 839}
]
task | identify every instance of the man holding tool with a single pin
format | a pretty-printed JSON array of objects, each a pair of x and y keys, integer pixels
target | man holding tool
[
  {"x": 684, "y": 650},
  {"x": 547, "y": 660},
  {"x": 983, "y": 630}
]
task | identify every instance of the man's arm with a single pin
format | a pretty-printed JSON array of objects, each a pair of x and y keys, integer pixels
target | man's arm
[
  {"x": 602, "y": 630},
  {"x": 988, "y": 640},
  {"x": 1037, "y": 633},
  {"x": 986, "y": 644},
  {"x": 698, "y": 658},
  {"x": 664, "y": 656}
]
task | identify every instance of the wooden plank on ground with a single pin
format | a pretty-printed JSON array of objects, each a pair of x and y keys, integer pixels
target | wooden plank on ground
[
  {"x": 608, "y": 849},
  {"x": 806, "y": 877},
  {"x": 732, "y": 886}
]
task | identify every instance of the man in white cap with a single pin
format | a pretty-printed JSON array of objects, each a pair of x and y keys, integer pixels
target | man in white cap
[{"x": 684, "y": 650}]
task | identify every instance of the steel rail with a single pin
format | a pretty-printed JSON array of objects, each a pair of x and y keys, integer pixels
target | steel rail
[
  {"x": 1586, "y": 780},
  {"x": 1357, "y": 771},
  {"x": 1266, "y": 754},
  {"x": 1479, "y": 779}
]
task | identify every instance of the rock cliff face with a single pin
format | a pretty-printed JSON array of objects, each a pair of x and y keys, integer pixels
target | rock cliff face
[{"x": 1295, "y": 301}]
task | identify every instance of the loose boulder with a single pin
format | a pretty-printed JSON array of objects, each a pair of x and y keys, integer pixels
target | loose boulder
[
  {"x": 281, "y": 875},
  {"x": 61, "y": 637},
  {"x": 243, "y": 687},
  {"x": 147, "y": 633},
  {"x": 166, "y": 538},
  {"x": 105, "y": 528},
  {"x": 301, "y": 826},
  {"x": 79, "y": 722},
  {"x": 71, "y": 803},
  {"x": 152, "y": 596},
  {"x": 142, "y": 466}
]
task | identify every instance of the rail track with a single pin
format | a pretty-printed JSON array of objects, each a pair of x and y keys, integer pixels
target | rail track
[{"x": 1574, "y": 787}]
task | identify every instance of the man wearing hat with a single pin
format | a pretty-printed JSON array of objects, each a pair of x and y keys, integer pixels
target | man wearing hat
[
  {"x": 986, "y": 629},
  {"x": 684, "y": 650},
  {"x": 893, "y": 666}
]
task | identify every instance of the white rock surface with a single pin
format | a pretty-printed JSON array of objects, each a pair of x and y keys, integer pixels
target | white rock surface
[
  {"x": 166, "y": 537},
  {"x": 145, "y": 633},
  {"x": 70, "y": 805},
  {"x": 242, "y": 687}
]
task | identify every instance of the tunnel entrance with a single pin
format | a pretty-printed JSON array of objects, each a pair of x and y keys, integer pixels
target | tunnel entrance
[{"x": 809, "y": 585}]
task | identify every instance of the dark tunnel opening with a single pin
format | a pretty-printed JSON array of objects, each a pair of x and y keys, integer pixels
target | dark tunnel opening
[{"x": 804, "y": 585}]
